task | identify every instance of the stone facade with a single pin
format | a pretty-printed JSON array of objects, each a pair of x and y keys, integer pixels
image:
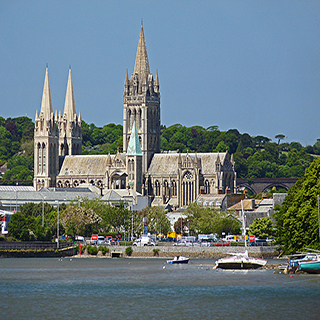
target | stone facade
[{"x": 166, "y": 177}]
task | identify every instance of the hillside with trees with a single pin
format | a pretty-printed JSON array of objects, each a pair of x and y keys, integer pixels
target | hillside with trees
[
  {"x": 297, "y": 219},
  {"x": 255, "y": 157}
]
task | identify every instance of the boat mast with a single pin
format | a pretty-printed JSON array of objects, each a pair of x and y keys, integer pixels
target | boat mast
[
  {"x": 319, "y": 217},
  {"x": 243, "y": 225}
]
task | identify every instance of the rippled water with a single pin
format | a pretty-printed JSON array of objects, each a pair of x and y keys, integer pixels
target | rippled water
[{"x": 149, "y": 289}]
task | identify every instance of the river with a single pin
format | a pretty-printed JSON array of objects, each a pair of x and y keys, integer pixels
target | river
[{"x": 96, "y": 288}]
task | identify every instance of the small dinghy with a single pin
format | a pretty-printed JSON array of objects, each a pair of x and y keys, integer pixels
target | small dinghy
[{"x": 178, "y": 260}]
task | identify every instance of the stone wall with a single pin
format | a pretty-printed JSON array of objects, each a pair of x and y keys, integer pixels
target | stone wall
[{"x": 195, "y": 252}]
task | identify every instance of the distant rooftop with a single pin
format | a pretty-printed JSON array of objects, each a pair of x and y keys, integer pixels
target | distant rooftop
[{"x": 17, "y": 188}]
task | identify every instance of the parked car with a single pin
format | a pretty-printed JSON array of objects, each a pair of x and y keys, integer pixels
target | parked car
[
  {"x": 145, "y": 241},
  {"x": 101, "y": 240},
  {"x": 259, "y": 243},
  {"x": 80, "y": 239},
  {"x": 179, "y": 243},
  {"x": 222, "y": 243},
  {"x": 205, "y": 244}
]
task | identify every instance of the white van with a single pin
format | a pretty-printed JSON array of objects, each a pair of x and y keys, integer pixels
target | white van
[
  {"x": 144, "y": 241},
  {"x": 230, "y": 238}
]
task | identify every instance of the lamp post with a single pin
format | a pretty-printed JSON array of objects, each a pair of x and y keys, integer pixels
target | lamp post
[
  {"x": 16, "y": 200},
  {"x": 58, "y": 225},
  {"x": 132, "y": 226},
  {"x": 43, "y": 210}
]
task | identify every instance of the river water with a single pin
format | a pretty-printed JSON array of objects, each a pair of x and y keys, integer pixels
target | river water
[{"x": 150, "y": 289}]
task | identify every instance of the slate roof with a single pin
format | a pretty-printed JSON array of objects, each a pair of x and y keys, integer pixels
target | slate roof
[
  {"x": 92, "y": 165},
  {"x": 167, "y": 163}
]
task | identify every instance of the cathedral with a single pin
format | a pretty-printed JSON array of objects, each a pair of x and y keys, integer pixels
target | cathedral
[{"x": 170, "y": 177}]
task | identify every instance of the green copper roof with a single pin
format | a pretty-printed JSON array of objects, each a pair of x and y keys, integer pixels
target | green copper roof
[{"x": 134, "y": 148}]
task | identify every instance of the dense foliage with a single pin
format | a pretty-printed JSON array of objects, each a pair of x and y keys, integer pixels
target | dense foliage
[
  {"x": 204, "y": 220},
  {"x": 297, "y": 218},
  {"x": 157, "y": 220},
  {"x": 262, "y": 228},
  {"x": 16, "y": 147},
  {"x": 93, "y": 216},
  {"x": 255, "y": 157}
]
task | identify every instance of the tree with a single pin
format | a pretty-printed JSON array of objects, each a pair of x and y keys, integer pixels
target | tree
[
  {"x": 78, "y": 221},
  {"x": 180, "y": 226},
  {"x": 157, "y": 220},
  {"x": 297, "y": 218},
  {"x": 206, "y": 220},
  {"x": 262, "y": 228},
  {"x": 18, "y": 228},
  {"x": 280, "y": 137}
]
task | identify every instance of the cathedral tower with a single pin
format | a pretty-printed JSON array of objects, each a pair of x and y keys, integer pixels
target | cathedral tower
[
  {"x": 70, "y": 130},
  {"x": 141, "y": 102},
  {"x": 46, "y": 141}
]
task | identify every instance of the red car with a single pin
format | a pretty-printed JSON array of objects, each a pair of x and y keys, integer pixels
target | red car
[{"x": 222, "y": 243}]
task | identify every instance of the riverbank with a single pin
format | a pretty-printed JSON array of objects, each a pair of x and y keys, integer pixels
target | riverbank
[{"x": 165, "y": 252}]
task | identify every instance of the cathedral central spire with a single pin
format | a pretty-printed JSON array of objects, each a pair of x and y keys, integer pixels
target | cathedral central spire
[{"x": 141, "y": 66}]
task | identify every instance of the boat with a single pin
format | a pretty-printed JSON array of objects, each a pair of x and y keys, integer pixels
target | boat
[
  {"x": 240, "y": 261},
  {"x": 178, "y": 260},
  {"x": 293, "y": 264},
  {"x": 310, "y": 266},
  {"x": 311, "y": 263}
]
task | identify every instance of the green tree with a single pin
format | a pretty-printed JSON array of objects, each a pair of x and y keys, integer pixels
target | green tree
[
  {"x": 76, "y": 221},
  {"x": 297, "y": 218},
  {"x": 18, "y": 227},
  {"x": 262, "y": 228},
  {"x": 205, "y": 220},
  {"x": 180, "y": 226},
  {"x": 280, "y": 137}
]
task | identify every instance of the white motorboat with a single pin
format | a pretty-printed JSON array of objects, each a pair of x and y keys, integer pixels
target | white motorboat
[
  {"x": 240, "y": 261},
  {"x": 178, "y": 260}
]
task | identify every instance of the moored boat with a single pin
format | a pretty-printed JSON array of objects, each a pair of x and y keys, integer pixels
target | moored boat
[
  {"x": 310, "y": 266},
  {"x": 294, "y": 260},
  {"x": 178, "y": 260},
  {"x": 240, "y": 261}
]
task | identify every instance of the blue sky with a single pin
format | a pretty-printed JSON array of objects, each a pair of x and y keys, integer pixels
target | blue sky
[{"x": 249, "y": 65}]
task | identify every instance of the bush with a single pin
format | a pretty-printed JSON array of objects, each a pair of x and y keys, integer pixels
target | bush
[
  {"x": 93, "y": 250},
  {"x": 129, "y": 251},
  {"x": 104, "y": 250},
  {"x": 156, "y": 252},
  {"x": 83, "y": 249},
  {"x": 2, "y": 239}
]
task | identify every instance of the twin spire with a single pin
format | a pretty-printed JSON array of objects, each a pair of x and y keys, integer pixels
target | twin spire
[
  {"x": 69, "y": 106},
  {"x": 46, "y": 104}
]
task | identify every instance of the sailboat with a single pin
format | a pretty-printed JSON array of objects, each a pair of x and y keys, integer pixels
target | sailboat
[{"x": 240, "y": 260}]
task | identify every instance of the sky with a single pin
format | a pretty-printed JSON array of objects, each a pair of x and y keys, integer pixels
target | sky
[{"x": 247, "y": 65}]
